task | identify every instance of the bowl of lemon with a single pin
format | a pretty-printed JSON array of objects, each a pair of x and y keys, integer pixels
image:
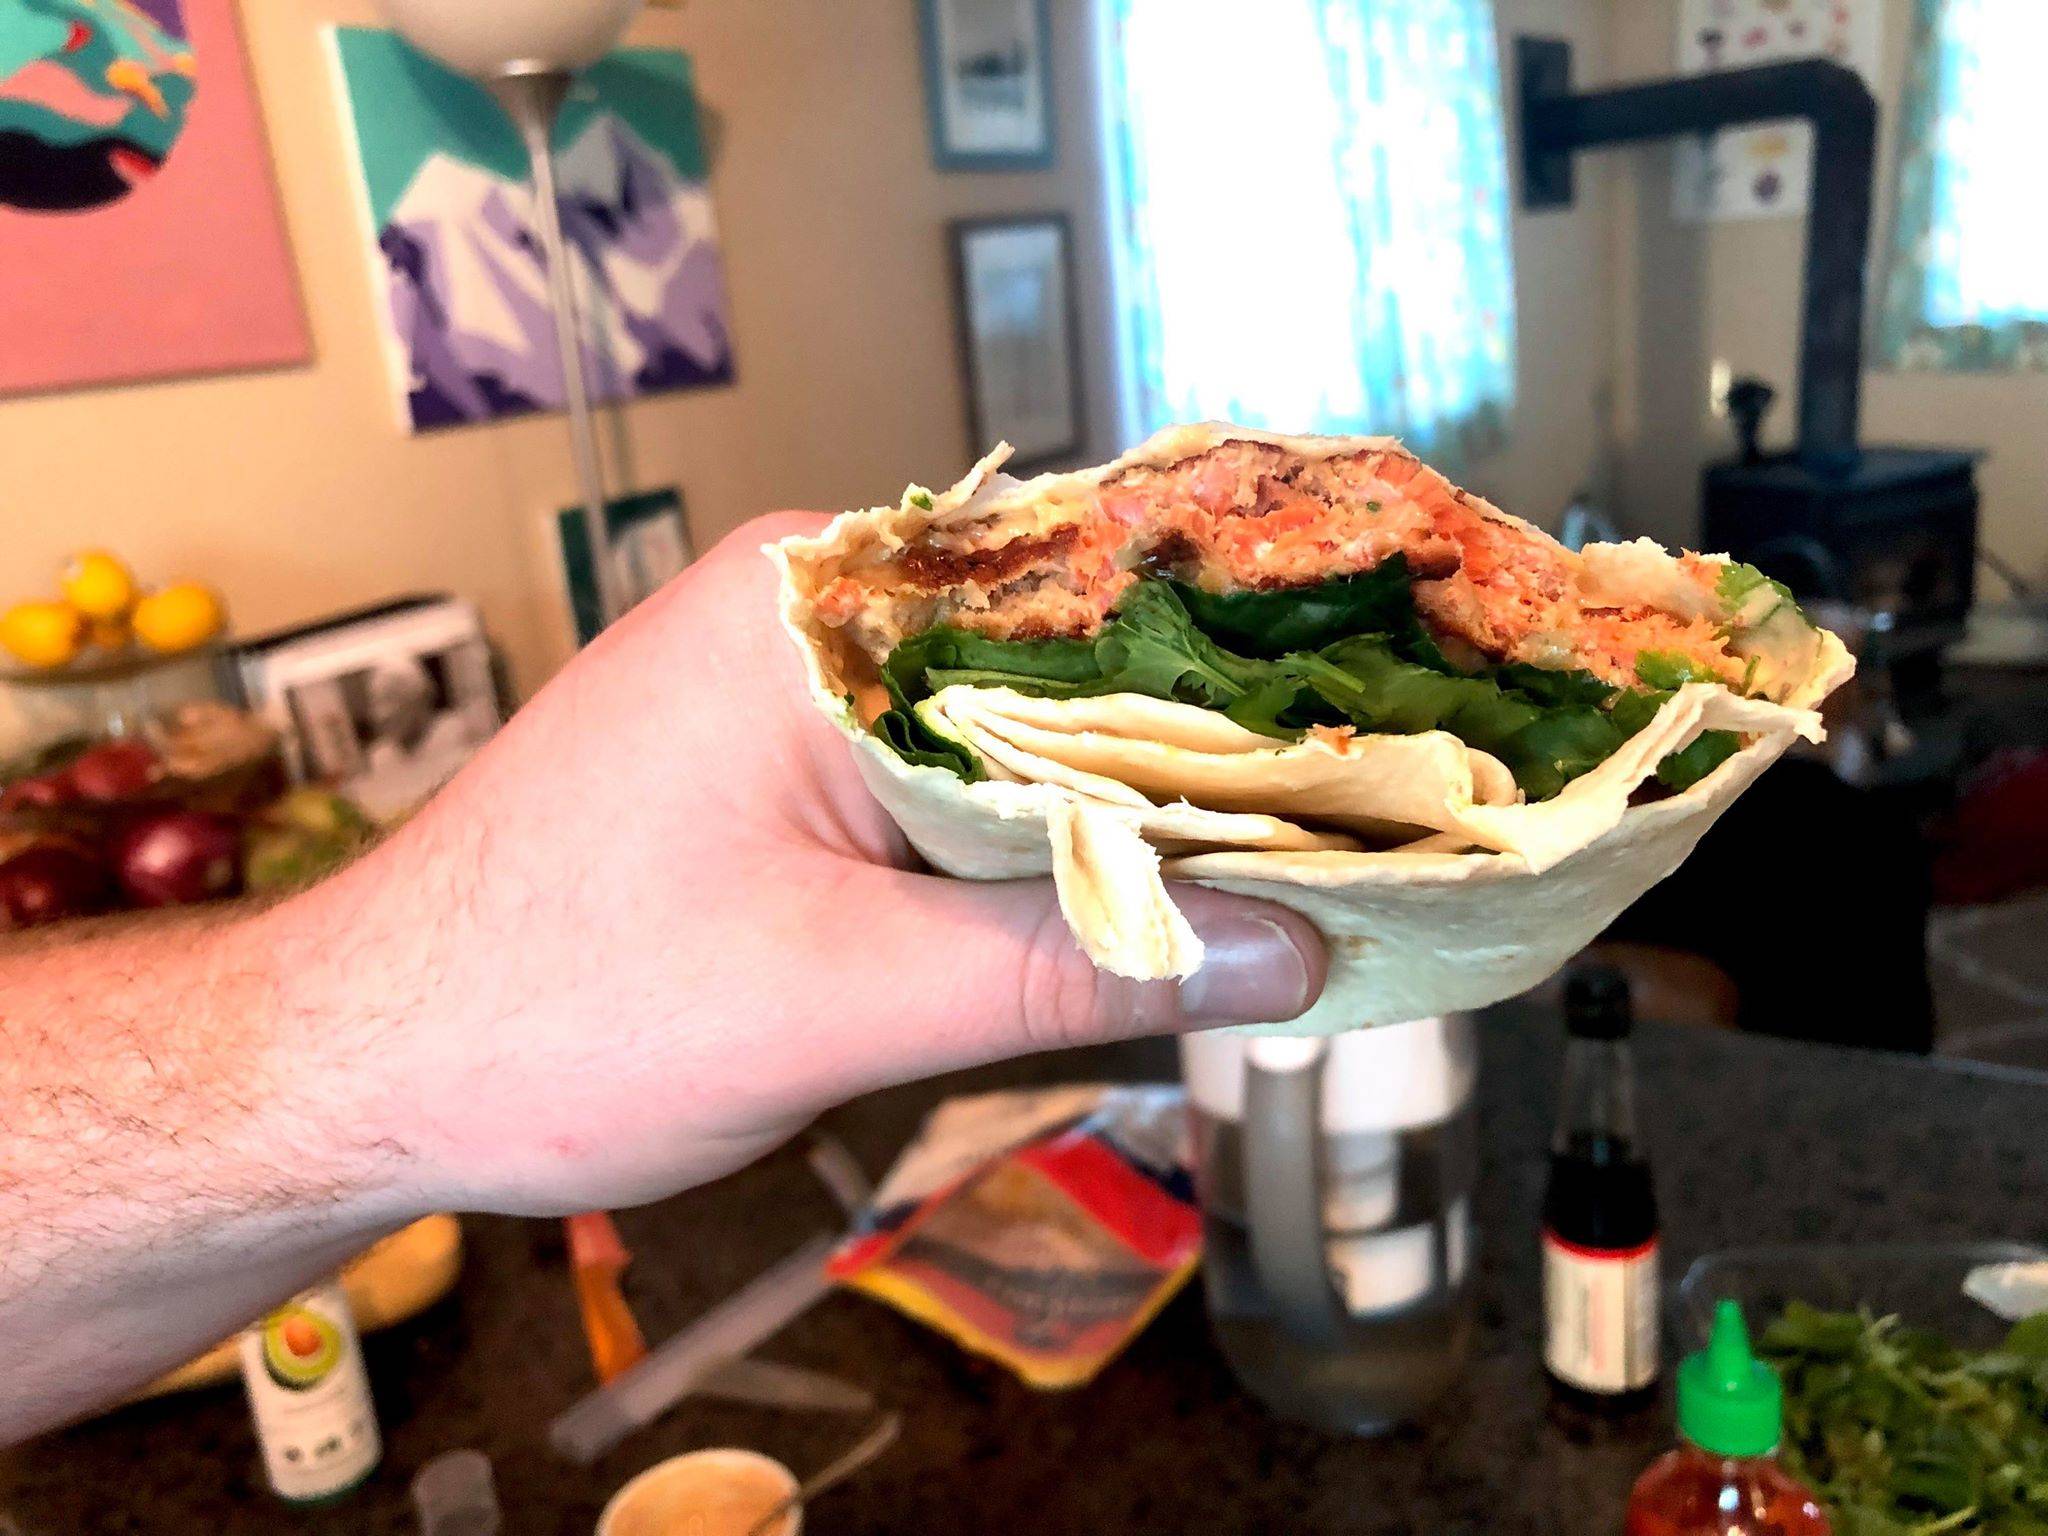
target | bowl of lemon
[
  {"x": 103, "y": 622},
  {"x": 102, "y": 654}
]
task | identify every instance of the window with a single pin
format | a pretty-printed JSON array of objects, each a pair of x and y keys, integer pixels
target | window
[
  {"x": 1309, "y": 211},
  {"x": 1968, "y": 286}
]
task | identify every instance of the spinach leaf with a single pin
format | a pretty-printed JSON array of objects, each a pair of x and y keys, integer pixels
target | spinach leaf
[
  {"x": 1545, "y": 745},
  {"x": 922, "y": 747},
  {"x": 1377, "y": 691},
  {"x": 1151, "y": 647},
  {"x": 950, "y": 649},
  {"x": 1270, "y": 625},
  {"x": 1707, "y": 751},
  {"x": 908, "y": 673},
  {"x": 1263, "y": 659},
  {"x": 1680, "y": 770}
]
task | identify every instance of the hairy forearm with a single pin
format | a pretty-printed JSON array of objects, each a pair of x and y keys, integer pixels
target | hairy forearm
[{"x": 194, "y": 1125}]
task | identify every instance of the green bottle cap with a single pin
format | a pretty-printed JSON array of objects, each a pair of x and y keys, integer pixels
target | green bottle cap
[{"x": 1729, "y": 1402}]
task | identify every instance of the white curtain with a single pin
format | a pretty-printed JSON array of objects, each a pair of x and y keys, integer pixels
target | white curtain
[{"x": 1309, "y": 209}]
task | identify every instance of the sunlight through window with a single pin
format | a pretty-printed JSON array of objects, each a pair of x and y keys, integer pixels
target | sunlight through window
[
  {"x": 1990, "y": 220},
  {"x": 1309, "y": 206},
  {"x": 1967, "y": 287}
]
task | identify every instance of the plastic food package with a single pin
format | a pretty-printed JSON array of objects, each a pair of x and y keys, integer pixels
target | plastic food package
[{"x": 1043, "y": 1229}]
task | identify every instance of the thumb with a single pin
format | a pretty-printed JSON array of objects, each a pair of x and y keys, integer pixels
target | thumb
[{"x": 989, "y": 969}]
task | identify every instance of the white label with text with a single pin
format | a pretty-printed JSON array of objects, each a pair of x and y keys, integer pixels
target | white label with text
[{"x": 1600, "y": 1315}]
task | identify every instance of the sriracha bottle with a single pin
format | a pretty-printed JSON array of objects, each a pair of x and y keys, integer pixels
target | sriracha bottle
[
  {"x": 1601, "y": 1299},
  {"x": 1723, "y": 1480}
]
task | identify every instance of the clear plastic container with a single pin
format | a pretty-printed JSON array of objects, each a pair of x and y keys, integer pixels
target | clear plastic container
[{"x": 1922, "y": 1283}]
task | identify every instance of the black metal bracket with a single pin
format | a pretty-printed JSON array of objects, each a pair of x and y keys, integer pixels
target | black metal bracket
[{"x": 1558, "y": 122}]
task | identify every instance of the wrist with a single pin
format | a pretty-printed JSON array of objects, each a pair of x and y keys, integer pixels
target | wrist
[{"x": 335, "y": 1092}]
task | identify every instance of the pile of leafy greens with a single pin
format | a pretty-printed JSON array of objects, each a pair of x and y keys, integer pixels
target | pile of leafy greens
[
  {"x": 1345, "y": 652},
  {"x": 1901, "y": 1433}
]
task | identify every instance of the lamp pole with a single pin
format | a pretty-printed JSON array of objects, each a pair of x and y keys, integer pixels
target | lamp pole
[{"x": 532, "y": 96}]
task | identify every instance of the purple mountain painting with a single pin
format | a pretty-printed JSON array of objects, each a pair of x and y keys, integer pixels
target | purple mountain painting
[{"x": 468, "y": 292}]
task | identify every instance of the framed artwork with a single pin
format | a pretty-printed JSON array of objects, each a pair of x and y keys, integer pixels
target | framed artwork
[
  {"x": 456, "y": 268},
  {"x": 988, "y": 84},
  {"x": 139, "y": 217},
  {"x": 1013, "y": 283},
  {"x": 1765, "y": 171},
  {"x": 650, "y": 542},
  {"x": 383, "y": 703}
]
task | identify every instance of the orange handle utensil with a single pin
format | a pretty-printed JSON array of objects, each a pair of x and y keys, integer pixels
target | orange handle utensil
[{"x": 597, "y": 1255}]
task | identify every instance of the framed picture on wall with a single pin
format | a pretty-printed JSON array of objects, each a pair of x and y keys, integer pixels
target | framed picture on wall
[
  {"x": 650, "y": 543},
  {"x": 987, "y": 84},
  {"x": 447, "y": 219},
  {"x": 141, "y": 235},
  {"x": 1013, "y": 282}
]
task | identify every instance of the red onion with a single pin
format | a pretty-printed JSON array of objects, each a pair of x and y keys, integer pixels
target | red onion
[
  {"x": 44, "y": 792},
  {"x": 169, "y": 857},
  {"x": 114, "y": 770},
  {"x": 49, "y": 881}
]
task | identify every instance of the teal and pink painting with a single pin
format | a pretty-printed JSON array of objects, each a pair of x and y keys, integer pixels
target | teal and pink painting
[
  {"x": 92, "y": 98},
  {"x": 138, "y": 211},
  {"x": 449, "y": 231}
]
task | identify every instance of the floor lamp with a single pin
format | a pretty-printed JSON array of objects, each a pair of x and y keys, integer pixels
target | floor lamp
[{"x": 527, "y": 53}]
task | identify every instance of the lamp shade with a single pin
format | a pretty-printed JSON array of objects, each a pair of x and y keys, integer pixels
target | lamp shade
[{"x": 485, "y": 38}]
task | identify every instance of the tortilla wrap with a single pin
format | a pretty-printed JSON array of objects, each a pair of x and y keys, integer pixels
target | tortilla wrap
[{"x": 1437, "y": 887}]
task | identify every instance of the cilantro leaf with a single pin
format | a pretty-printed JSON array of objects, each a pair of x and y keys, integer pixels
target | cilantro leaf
[
  {"x": 1902, "y": 1433},
  {"x": 1672, "y": 670},
  {"x": 1738, "y": 582}
]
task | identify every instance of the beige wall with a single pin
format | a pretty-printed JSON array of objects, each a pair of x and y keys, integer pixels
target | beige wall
[
  {"x": 1732, "y": 291},
  {"x": 297, "y": 494},
  {"x": 1563, "y": 318}
]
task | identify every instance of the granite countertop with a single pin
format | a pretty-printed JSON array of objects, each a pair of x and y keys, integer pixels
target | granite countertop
[{"x": 1754, "y": 1141}]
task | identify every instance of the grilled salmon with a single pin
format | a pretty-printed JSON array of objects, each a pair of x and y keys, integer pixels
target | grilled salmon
[{"x": 1252, "y": 515}]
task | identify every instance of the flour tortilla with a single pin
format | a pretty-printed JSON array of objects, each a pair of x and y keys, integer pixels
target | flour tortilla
[{"x": 1437, "y": 889}]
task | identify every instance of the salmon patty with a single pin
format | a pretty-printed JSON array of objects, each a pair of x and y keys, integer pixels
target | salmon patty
[{"x": 1247, "y": 515}]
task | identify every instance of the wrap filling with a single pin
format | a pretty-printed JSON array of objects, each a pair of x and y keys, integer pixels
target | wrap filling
[{"x": 1359, "y": 591}]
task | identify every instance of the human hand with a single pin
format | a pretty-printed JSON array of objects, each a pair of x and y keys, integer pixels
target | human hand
[{"x": 659, "y": 922}]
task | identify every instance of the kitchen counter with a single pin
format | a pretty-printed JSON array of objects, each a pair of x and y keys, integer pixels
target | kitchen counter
[{"x": 1754, "y": 1140}]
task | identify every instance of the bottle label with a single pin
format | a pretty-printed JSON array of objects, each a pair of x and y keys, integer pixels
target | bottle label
[
  {"x": 310, "y": 1398},
  {"x": 1600, "y": 1315}
]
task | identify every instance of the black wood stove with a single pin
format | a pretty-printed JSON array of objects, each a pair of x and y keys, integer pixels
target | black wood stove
[{"x": 1891, "y": 531}]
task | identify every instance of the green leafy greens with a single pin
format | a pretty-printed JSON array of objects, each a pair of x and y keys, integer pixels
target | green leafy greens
[
  {"x": 1738, "y": 583},
  {"x": 1901, "y": 1433},
  {"x": 1345, "y": 652}
]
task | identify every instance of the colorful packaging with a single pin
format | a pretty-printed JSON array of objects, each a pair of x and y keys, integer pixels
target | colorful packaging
[{"x": 1043, "y": 1229}]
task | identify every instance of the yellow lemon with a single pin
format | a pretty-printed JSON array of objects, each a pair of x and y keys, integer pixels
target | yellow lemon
[
  {"x": 41, "y": 634},
  {"x": 178, "y": 617},
  {"x": 98, "y": 585}
]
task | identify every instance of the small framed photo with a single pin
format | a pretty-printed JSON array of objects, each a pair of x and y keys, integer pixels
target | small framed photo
[
  {"x": 1013, "y": 281},
  {"x": 650, "y": 543},
  {"x": 383, "y": 703},
  {"x": 987, "y": 84}
]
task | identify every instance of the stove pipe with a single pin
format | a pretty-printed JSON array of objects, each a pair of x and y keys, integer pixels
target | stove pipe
[{"x": 1556, "y": 122}]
